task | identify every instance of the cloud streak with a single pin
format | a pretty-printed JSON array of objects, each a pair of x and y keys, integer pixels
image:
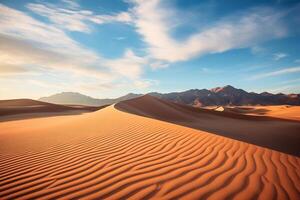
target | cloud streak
[
  {"x": 279, "y": 56},
  {"x": 287, "y": 70},
  {"x": 75, "y": 19},
  {"x": 36, "y": 47},
  {"x": 154, "y": 23}
]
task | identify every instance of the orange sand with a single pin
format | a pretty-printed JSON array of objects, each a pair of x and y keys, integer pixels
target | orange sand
[
  {"x": 281, "y": 111},
  {"x": 111, "y": 154}
]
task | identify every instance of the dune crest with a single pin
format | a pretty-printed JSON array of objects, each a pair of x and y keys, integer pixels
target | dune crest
[
  {"x": 111, "y": 154},
  {"x": 27, "y": 108},
  {"x": 278, "y": 134}
]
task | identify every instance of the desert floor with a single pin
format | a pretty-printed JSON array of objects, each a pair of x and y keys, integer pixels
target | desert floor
[{"x": 113, "y": 154}]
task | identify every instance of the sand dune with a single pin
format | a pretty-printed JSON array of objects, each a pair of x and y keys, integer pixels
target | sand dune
[
  {"x": 110, "y": 154},
  {"x": 283, "y": 111},
  {"x": 278, "y": 134},
  {"x": 28, "y": 108}
]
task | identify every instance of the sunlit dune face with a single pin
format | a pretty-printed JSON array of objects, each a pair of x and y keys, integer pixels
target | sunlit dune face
[
  {"x": 86, "y": 156},
  {"x": 149, "y": 99}
]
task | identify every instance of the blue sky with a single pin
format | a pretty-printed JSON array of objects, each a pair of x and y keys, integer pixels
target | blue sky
[{"x": 110, "y": 48}]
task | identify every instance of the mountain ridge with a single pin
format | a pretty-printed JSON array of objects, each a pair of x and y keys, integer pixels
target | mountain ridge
[
  {"x": 218, "y": 96},
  {"x": 226, "y": 96}
]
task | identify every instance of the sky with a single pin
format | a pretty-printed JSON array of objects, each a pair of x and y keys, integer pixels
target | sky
[{"x": 108, "y": 48}]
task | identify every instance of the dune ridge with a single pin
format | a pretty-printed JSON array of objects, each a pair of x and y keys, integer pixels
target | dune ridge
[
  {"x": 282, "y": 111},
  {"x": 275, "y": 133},
  {"x": 27, "y": 108},
  {"x": 110, "y": 154}
]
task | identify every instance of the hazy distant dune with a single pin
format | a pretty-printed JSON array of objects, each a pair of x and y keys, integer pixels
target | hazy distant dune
[{"x": 28, "y": 108}]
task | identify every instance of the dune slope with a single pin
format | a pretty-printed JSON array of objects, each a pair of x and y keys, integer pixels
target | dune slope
[
  {"x": 28, "y": 108},
  {"x": 111, "y": 154},
  {"x": 283, "y": 111},
  {"x": 278, "y": 134}
]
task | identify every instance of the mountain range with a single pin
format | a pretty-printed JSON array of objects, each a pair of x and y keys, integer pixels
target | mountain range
[
  {"x": 228, "y": 95},
  {"x": 219, "y": 96}
]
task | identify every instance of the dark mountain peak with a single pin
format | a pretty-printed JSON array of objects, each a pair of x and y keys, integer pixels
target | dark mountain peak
[
  {"x": 266, "y": 94},
  {"x": 228, "y": 95},
  {"x": 227, "y": 88}
]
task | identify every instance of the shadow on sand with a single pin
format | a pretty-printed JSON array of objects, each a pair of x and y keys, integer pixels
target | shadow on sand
[{"x": 278, "y": 134}]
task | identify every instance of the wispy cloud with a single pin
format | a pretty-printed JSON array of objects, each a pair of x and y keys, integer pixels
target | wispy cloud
[
  {"x": 73, "y": 4},
  {"x": 292, "y": 88},
  {"x": 205, "y": 70},
  {"x": 257, "y": 50},
  {"x": 154, "y": 22},
  {"x": 278, "y": 56},
  {"x": 75, "y": 19},
  {"x": 32, "y": 43},
  {"x": 34, "y": 46},
  {"x": 287, "y": 70},
  {"x": 129, "y": 65},
  {"x": 120, "y": 38},
  {"x": 145, "y": 83},
  {"x": 292, "y": 81}
]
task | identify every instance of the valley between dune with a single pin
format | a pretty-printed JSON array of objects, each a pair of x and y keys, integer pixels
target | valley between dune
[{"x": 110, "y": 154}]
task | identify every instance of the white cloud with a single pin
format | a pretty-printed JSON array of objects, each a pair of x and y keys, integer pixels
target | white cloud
[
  {"x": 287, "y": 70},
  {"x": 71, "y": 4},
  {"x": 278, "y": 56},
  {"x": 205, "y": 70},
  {"x": 145, "y": 83},
  {"x": 129, "y": 65},
  {"x": 120, "y": 38},
  {"x": 75, "y": 19},
  {"x": 154, "y": 23},
  {"x": 158, "y": 64},
  {"x": 31, "y": 46},
  {"x": 287, "y": 89},
  {"x": 257, "y": 50}
]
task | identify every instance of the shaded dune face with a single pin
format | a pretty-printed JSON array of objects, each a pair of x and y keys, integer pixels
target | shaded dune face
[
  {"x": 28, "y": 108},
  {"x": 111, "y": 154},
  {"x": 278, "y": 134},
  {"x": 283, "y": 111}
]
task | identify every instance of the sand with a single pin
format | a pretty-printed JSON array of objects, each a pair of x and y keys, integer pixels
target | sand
[
  {"x": 110, "y": 154},
  {"x": 275, "y": 133},
  {"x": 281, "y": 111},
  {"x": 16, "y": 109}
]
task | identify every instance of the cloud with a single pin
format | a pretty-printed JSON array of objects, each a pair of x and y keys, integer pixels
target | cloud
[
  {"x": 278, "y": 56},
  {"x": 120, "y": 38},
  {"x": 129, "y": 65},
  {"x": 33, "y": 43},
  {"x": 258, "y": 50},
  {"x": 287, "y": 89},
  {"x": 71, "y": 3},
  {"x": 205, "y": 70},
  {"x": 75, "y": 19},
  {"x": 155, "y": 23},
  {"x": 297, "y": 61},
  {"x": 158, "y": 64},
  {"x": 7, "y": 69},
  {"x": 287, "y": 70},
  {"x": 145, "y": 83},
  {"x": 32, "y": 46}
]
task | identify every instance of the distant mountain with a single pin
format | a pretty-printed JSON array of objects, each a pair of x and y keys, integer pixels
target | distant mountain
[
  {"x": 74, "y": 98},
  {"x": 219, "y": 96},
  {"x": 228, "y": 95}
]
